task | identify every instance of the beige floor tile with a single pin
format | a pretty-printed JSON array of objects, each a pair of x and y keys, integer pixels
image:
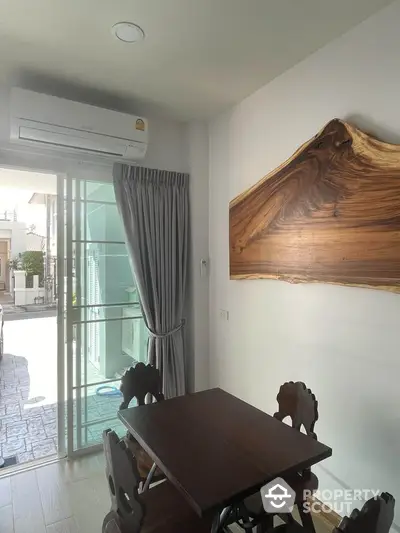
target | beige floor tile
[
  {"x": 6, "y": 519},
  {"x": 53, "y": 494},
  {"x": 5, "y": 491},
  {"x": 82, "y": 468},
  {"x": 90, "y": 502},
  {"x": 27, "y": 507},
  {"x": 65, "y": 526}
]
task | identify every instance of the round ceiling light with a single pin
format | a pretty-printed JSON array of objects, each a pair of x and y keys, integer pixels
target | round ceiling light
[{"x": 127, "y": 32}]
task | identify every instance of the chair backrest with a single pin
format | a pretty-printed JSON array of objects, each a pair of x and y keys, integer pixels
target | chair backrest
[
  {"x": 376, "y": 516},
  {"x": 300, "y": 404},
  {"x": 123, "y": 481},
  {"x": 138, "y": 382}
]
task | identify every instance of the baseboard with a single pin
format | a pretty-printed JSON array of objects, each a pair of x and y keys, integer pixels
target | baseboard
[{"x": 330, "y": 518}]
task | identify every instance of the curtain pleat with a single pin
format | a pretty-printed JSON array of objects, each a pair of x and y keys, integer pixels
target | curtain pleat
[{"x": 154, "y": 207}]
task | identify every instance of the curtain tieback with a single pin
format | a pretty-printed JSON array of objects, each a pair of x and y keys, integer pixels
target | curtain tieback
[{"x": 167, "y": 333}]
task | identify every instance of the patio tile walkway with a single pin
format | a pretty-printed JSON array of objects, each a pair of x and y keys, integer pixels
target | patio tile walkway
[
  {"x": 26, "y": 431},
  {"x": 29, "y": 431}
]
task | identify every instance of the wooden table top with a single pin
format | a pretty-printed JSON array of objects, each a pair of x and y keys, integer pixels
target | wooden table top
[{"x": 217, "y": 449}]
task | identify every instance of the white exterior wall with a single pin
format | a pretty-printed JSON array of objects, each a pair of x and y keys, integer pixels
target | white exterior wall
[{"x": 16, "y": 232}]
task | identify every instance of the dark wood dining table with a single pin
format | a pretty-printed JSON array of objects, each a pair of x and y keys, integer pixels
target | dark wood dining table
[{"x": 217, "y": 449}]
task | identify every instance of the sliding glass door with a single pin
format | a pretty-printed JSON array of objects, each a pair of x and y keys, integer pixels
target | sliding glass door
[{"x": 104, "y": 332}]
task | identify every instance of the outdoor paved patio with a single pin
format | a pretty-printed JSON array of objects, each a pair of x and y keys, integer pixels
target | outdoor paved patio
[
  {"x": 27, "y": 431},
  {"x": 28, "y": 392}
]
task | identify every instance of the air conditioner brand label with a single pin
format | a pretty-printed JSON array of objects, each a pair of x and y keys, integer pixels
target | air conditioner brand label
[{"x": 140, "y": 126}]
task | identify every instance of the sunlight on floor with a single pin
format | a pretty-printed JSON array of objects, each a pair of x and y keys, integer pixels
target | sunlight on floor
[{"x": 36, "y": 341}]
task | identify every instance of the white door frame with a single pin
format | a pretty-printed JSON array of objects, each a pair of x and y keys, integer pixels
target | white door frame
[{"x": 59, "y": 166}]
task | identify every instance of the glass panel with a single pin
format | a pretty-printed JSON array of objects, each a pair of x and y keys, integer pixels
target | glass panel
[
  {"x": 98, "y": 412},
  {"x": 95, "y": 191},
  {"x": 95, "y": 431},
  {"x": 104, "y": 350},
  {"x": 106, "y": 275},
  {"x": 100, "y": 192},
  {"x": 106, "y": 312},
  {"x": 103, "y": 223},
  {"x": 106, "y": 324}
]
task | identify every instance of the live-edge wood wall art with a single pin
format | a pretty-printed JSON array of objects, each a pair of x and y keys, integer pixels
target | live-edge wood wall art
[{"x": 330, "y": 214}]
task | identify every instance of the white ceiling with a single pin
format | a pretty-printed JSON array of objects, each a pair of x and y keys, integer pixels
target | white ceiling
[{"x": 199, "y": 56}]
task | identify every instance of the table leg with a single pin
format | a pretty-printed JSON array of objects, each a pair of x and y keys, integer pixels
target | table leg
[
  {"x": 219, "y": 523},
  {"x": 149, "y": 477}
]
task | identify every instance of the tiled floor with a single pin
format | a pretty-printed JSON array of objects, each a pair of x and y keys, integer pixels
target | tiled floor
[{"x": 64, "y": 497}]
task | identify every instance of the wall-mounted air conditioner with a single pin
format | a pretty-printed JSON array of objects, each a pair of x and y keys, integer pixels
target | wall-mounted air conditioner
[{"x": 63, "y": 125}]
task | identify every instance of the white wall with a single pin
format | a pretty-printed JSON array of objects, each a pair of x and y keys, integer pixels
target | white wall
[
  {"x": 198, "y": 296},
  {"x": 16, "y": 232},
  {"x": 343, "y": 342},
  {"x": 35, "y": 243}
]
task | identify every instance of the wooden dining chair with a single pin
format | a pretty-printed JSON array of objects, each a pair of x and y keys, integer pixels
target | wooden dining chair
[
  {"x": 142, "y": 382},
  {"x": 159, "y": 510},
  {"x": 376, "y": 516},
  {"x": 298, "y": 403}
]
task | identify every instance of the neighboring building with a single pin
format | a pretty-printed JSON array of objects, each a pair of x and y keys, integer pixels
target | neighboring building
[
  {"x": 14, "y": 240},
  {"x": 50, "y": 241},
  {"x": 35, "y": 242},
  {"x": 50, "y": 201}
]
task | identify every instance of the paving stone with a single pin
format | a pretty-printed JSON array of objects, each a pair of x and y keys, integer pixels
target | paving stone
[
  {"x": 52, "y": 411},
  {"x": 13, "y": 409},
  {"x": 9, "y": 390},
  {"x": 28, "y": 430},
  {"x": 35, "y": 423},
  {"x": 13, "y": 447},
  {"x": 44, "y": 448},
  {"x": 28, "y": 445},
  {"x": 25, "y": 457},
  {"x": 51, "y": 429},
  {"x": 30, "y": 412},
  {"x": 27, "y": 414},
  {"x": 9, "y": 400},
  {"x": 24, "y": 394},
  {"x": 19, "y": 429},
  {"x": 36, "y": 435},
  {"x": 10, "y": 419}
]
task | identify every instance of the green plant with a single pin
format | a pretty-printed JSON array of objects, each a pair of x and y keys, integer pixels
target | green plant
[
  {"x": 33, "y": 264},
  {"x": 15, "y": 264}
]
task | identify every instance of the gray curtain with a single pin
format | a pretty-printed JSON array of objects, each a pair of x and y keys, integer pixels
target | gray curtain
[{"x": 154, "y": 206}]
